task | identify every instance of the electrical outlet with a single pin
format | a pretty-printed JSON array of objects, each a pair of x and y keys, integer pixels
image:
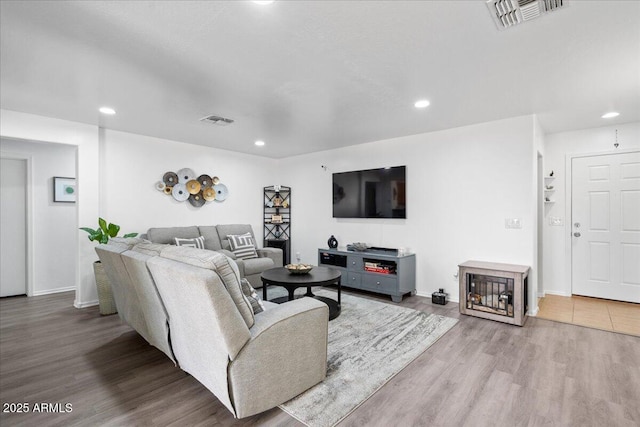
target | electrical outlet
[
  {"x": 556, "y": 221},
  {"x": 512, "y": 223}
]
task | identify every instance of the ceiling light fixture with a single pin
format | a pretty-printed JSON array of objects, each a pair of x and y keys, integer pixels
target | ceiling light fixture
[
  {"x": 263, "y": 2},
  {"x": 107, "y": 110},
  {"x": 423, "y": 103},
  {"x": 610, "y": 115},
  {"x": 259, "y": 143}
]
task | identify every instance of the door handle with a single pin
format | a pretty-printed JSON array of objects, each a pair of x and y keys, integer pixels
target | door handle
[{"x": 576, "y": 234}]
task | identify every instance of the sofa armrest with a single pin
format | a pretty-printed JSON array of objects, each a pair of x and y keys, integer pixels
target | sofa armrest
[
  {"x": 274, "y": 253},
  {"x": 286, "y": 355}
]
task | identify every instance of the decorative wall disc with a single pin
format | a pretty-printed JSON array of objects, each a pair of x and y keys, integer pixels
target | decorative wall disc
[
  {"x": 197, "y": 200},
  {"x": 221, "y": 192},
  {"x": 185, "y": 175},
  {"x": 205, "y": 181},
  {"x": 186, "y": 185},
  {"x": 193, "y": 187},
  {"x": 209, "y": 194},
  {"x": 170, "y": 178},
  {"x": 180, "y": 192}
]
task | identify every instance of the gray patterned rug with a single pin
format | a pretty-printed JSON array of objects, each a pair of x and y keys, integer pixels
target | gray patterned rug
[{"x": 369, "y": 343}]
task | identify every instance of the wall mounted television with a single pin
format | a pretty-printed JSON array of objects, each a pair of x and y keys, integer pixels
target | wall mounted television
[{"x": 371, "y": 193}]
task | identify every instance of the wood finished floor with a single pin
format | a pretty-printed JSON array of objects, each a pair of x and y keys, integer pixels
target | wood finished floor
[
  {"x": 481, "y": 373},
  {"x": 617, "y": 316}
]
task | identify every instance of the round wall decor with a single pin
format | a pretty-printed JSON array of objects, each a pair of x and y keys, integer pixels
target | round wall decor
[{"x": 184, "y": 185}]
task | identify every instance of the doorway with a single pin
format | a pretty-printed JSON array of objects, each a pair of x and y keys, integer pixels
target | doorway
[
  {"x": 605, "y": 226},
  {"x": 13, "y": 226}
]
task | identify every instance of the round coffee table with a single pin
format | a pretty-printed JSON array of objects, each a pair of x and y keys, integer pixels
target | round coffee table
[{"x": 319, "y": 276}]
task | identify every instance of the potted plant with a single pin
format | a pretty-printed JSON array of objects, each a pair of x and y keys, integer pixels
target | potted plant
[{"x": 102, "y": 234}]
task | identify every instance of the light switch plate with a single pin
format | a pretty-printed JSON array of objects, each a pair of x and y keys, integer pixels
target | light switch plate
[
  {"x": 512, "y": 223},
  {"x": 556, "y": 221}
]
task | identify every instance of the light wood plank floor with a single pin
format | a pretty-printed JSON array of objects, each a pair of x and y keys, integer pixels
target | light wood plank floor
[
  {"x": 481, "y": 373},
  {"x": 617, "y": 316}
]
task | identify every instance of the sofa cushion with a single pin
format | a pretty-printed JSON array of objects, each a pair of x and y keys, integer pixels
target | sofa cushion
[
  {"x": 147, "y": 248},
  {"x": 257, "y": 265},
  {"x": 243, "y": 246},
  {"x": 223, "y": 266},
  {"x": 168, "y": 234},
  {"x": 211, "y": 238},
  {"x": 124, "y": 242},
  {"x": 196, "y": 242},
  {"x": 252, "y": 296}
]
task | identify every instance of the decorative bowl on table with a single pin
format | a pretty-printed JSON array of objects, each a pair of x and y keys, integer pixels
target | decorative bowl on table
[{"x": 299, "y": 268}]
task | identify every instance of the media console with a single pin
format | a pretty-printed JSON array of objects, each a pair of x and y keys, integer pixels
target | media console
[{"x": 377, "y": 270}]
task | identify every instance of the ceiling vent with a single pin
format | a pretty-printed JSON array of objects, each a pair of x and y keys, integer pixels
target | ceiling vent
[
  {"x": 217, "y": 120},
  {"x": 507, "y": 13}
]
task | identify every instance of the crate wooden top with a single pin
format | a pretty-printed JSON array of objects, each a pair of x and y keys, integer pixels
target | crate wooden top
[{"x": 512, "y": 268}]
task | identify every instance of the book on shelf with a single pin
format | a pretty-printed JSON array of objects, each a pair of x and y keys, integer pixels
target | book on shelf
[{"x": 379, "y": 270}]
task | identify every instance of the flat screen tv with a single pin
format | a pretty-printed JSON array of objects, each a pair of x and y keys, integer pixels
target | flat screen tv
[{"x": 371, "y": 193}]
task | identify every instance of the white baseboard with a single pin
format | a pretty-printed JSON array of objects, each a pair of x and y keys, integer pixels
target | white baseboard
[
  {"x": 533, "y": 313},
  {"x": 54, "y": 291},
  {"x": 560, "y": 293},
  {"x": 78, "y": 304}
]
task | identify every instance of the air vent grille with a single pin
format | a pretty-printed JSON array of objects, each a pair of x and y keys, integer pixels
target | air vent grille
[
  {"x": 507, "y": 13},
  {"x": 217, "y": 120}
]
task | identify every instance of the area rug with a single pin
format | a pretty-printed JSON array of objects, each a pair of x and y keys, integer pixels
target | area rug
[{"x": 369, "y": 343}]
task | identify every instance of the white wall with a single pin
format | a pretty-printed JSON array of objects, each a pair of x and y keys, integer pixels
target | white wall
[
  {"x": 559, "y": 147},
  {"x": 18, "y": 125},
  {"x": 53, "y": 224},
  {"x": 461, "y": 186},
  {"x": 132, "y": 164}
]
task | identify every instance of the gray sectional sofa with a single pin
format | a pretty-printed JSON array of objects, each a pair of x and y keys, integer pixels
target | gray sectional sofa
[
  {"x": 188, "y": 303},
  {"x": 216, "y": 239}
]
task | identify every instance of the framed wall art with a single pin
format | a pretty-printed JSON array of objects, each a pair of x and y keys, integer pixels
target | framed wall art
[{"x": 64, "y": 189}]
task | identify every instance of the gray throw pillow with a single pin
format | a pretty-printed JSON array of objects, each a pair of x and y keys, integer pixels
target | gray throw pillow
[{"x": 252, "y": 296}]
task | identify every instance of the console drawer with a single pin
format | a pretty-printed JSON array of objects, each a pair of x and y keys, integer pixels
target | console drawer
[
  {"x": 355, "y": 263},
  {"x": 380, "y": 283},
  {"x": 353, "y": 279}
]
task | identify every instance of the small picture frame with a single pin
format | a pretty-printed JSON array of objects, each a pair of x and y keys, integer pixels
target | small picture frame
[
  {"x": 64, "y": 189},
  {"x": 276, "y": 219}
]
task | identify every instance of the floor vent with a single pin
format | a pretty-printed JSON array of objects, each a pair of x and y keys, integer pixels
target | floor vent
[
  {"x": 508, "y": 13},
  {"x": 217, "y": 120}
]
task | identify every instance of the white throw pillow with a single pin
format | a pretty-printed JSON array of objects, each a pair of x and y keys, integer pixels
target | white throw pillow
[
  {"x": 196, "y": 242},
  {"x": 242, "y": 246}
]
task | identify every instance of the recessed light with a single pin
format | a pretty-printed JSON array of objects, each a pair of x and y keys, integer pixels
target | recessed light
[
  {"x": 107, "y": 110},
  {"x": 259, "y": 143},
  {"x": 263, "y": 2},
  {"x": 423, "y": 103},
  {"x": 610, "y": 115}
]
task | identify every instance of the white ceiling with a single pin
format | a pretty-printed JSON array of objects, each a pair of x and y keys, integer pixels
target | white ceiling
[{"x": 306, "y": 76}]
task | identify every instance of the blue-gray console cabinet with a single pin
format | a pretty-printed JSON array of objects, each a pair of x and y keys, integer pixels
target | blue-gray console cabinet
[{"x": 381, "y": 271}]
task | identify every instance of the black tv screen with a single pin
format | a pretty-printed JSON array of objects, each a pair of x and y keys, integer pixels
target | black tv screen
[{"x": 372, "y": 193}]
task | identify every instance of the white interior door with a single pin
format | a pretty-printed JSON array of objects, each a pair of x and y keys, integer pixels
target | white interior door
[
  {"x": 13, "y": 227},
  {"x": 605, "y": 226}
]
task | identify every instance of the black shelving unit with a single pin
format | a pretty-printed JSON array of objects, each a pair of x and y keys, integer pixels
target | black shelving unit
[{"x": 277, "y": 219}]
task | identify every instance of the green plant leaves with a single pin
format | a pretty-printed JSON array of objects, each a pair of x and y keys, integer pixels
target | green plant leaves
[
  {"x": 104, "y": 231},
  {"x": 112, "y": 230},
  {"x": 103, "y": 225}
]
